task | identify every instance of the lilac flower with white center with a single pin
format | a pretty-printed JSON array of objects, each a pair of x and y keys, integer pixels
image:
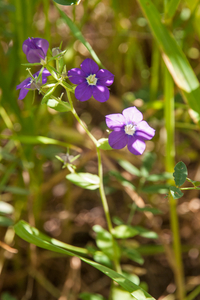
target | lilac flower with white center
[
  {"x": 32, "y": 84},
  {"x": 129, "y": 129},
  {"x": 91, "y": 81},
  {"x": 35, "y": 49}
]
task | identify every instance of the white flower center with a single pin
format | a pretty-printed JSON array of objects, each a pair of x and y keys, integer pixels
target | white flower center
[
  {"x": 130, "y": 129},
  {"x": 91, "y": 79}
]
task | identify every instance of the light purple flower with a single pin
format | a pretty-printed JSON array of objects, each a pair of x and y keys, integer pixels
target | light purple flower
[
  {"x": 129, "y": 129},
  {"x": 91, "y": 81},
  {"x": 35, "y": 49},
  {"x": 32, "y": 84}
]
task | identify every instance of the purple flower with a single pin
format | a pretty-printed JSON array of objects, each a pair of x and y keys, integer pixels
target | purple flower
[
  {"x": 35, "y": 49},
  {"x": 129, "y": 129},
  {"x": 91, "y": 81},
  {"x": 32, "y": 84}
]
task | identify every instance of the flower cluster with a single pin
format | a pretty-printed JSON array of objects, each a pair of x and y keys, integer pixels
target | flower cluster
[
  {"x": 129, "y": 129},
  {"x": 35, "y": 50}
]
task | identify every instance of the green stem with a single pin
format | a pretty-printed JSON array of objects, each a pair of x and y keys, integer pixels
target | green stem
[
  {"x": 169, "y": 163},
  {"x": 106, "y": 211},
  {"x": 80, "y": 121},
  {"x": 101, "y": 187}
]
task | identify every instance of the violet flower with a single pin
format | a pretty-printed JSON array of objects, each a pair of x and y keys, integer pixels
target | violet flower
[
  {"x": 32, "y": 84},
  {"x": 35, "y": 49},
  {"x": 91, "y": 81},
  {"x": 129, "y": 129}
]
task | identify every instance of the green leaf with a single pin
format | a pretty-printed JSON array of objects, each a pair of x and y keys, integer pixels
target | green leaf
[
  {"x": 133, "y": 254},
  {"x": 157, "y": 177},
  {"x": 61, "y": 107},
  {"x": 6, "y": 208},
  {"x": 180, "y": 173},
  {"x": 76, "y": 32},
  {"x": 153, "y": 210},
  {"x": 48, "y": 94},
  {"x": 85, "y": 180},
  {"x": 195, "y": 183},
  {"x": 175, "y": 192},
  {"x": 120, "y": 294},
  {"x": 171, "y": 8},
  {"x": 102, "y": 259},
  {"x": 5, "y": 222},
  {"x": 89, "y": 296},
  {"x": 124, "y": 231},
  {"x": 104, "y": 241},
  {"x": 122, "y": 180},
  {"x": 38, "y": 140},
  {"x": 32, "y": 235},
  {"x": 7, "y": 296},
  {"x": 173, "y": 56},
  {"x": 147, "y": 163},
  {"x": 129, "y": 167},
  {"x": 103, "y": 144},
  {"x": 156, "y": 188},
  {"x": 149, "y": 234},
  {"x": 15, "y": 190},
  {"x": 67, "y": 2}
]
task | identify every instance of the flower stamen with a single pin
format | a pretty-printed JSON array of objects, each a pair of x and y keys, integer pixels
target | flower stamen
[
  {"x": 91, "y": 79},
  {"x": 130, "y": 129}
]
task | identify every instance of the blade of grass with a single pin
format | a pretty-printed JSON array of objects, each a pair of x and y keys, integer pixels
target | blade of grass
[
  {"x": 174, "y": 58},
  {"x": 76, "y": 32},
  {"x": 171, "y": 7}
]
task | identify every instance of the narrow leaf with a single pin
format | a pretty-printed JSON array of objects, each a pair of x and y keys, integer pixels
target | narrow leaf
[
  {"x": 76, "y": 32},
  {"x": 85, "y": 180},
  {"x": 173, "y": 56},
  {"x": 67, "y": 2},
  {"x": 129, "y": 167},
  {"x": 30, "y": 234},
  {"x": 171, "y": 8},
  {"x": 146, "y": 232},
  {"x": 124, "y": 231},
  {"x": 61, "y": 107}
]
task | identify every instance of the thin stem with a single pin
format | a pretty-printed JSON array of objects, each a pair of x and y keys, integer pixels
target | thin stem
[
  {"x": 169, "y": 163},
  {"x": 101, "y": 187},
  {"x": 80, "y": 121},
  {"x": 106, "y": 211}
]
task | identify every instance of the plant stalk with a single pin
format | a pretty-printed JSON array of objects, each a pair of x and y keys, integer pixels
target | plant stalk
[{"x": 169, "y": 164}]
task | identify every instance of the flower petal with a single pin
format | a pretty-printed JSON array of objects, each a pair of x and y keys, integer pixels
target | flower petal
[
  {"x": 83, "y": 92},
  {"x": 35, "y": 55},
  {"x": 45, "y": 74},
  {"x": 144, "y": 131},
  {"x": 89, "y": 66},
  {"x": 23, "y": 93},
  {"x": 23, "y": 83},
  {"x": 76, "y": 76},
  {"x": 117, "y": 139},
  {"x": 101, "y": 93},
  {"x": 115, "y": 121},
  {"x": 132, "y": 115},
  {"x": 105, "y": 77},
  {"x": 35, "y": 43},
  {"x": 42, "y": 43},
  {"x": 136, "y": 146}
]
